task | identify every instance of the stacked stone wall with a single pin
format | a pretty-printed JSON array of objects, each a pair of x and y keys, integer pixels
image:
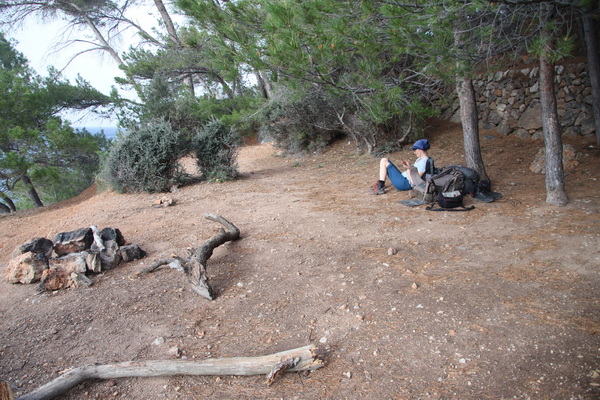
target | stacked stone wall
[{"x": 509, "y": 101}]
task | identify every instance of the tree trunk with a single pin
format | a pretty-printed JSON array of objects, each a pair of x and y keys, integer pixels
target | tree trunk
[
  {"x": 164, "y": 14},
  {"x": 31, "y": 192},
  {"x": 9, "y": 203},
  {"x": 303, "y": 359},
  {"x": 104, "y": 44},
  {"x": 170, "y": 26},
  {"x": 555, "y": 176},
  {"x": 469, "y": 118},
  {"x": 590, "y": 30}
]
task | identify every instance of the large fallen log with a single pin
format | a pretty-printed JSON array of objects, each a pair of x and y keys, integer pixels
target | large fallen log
[
  {"x": 195, "y": 266},
  {"x": 300, "y": 359}
]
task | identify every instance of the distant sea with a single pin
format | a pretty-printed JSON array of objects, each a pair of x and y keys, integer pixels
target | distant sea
[{"x": 110, "y": 132}]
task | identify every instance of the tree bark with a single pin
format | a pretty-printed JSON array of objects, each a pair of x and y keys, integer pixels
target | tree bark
[
  {"x": 31, "y": 192},
  {"x": 555, "y": 176},
  {"x": 9, "y": 203},
  {"x": 168, "y": 21},
  {"x": 304, "y": 359},
  {"x": 590, "y": 30},
  {"x": 470, "y": 124}
]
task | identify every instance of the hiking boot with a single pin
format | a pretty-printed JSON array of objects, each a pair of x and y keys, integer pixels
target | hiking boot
[{"x": 377, "y": 188}]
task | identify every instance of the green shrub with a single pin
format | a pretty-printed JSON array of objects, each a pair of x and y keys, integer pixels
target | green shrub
[
  {"x": 145, "y": 160},
  {"x": 215, "y": 146},
  {"x": 304, "y": 124}
]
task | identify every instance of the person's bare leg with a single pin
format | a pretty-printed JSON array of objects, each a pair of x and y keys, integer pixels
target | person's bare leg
[{"x": 383, "y": 164}]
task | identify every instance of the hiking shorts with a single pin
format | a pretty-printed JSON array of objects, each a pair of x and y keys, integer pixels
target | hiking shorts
[{"x": 399, "y": 181}]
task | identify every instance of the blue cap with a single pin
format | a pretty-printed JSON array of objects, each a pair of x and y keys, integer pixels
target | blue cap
[{"x": 421, "y": 144}]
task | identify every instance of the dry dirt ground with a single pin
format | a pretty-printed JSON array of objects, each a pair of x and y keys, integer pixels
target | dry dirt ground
[{"x": 497, "y": 303}]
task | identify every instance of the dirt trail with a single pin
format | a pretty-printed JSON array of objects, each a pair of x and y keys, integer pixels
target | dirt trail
[{"x": 496, "y": 303}]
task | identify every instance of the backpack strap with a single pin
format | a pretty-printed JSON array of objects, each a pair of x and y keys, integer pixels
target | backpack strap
[{"x": 430, "y": 208}]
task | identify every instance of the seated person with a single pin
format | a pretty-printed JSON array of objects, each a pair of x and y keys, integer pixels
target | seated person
[{"x": 403, "y": 180}]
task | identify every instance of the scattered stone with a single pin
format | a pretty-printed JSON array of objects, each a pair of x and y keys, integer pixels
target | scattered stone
[
  {"x": 80, "y": 280},
  {"x": 163, "y": 202},
  {"x": 131, "y": 252},
  {"x": 414, "y": 286},
  {"x": 392, "y": 251},
  {"x": 174, "y": 351},
  {"x": 158, "y": 341},
  {"x": 348, "y": 374}
]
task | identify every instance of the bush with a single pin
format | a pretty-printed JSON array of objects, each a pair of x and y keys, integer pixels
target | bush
[
  {"x": 145, "y": 160},
  {"x": 215, "y": 146},
  {"x": 303, "y": 124}
]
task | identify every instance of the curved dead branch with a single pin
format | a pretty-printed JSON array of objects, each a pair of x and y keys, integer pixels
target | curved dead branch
[{"x": 195, "y": 266}]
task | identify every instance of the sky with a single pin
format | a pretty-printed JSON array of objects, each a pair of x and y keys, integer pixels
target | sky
[{"x": 36, "y": 40}]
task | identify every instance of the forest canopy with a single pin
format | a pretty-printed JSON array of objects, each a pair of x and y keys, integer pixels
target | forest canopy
[{"x": 303, "y": 72}]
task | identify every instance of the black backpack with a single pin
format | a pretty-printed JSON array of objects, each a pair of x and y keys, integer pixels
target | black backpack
[{"x": 449, "y": 187}]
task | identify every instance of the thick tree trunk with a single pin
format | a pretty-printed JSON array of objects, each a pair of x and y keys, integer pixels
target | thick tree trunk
[
  {"x": 302, "y": 359},
  {"x": 555, "y": 176},
  {"x": 31, "y": 192},
  {"x": 470, "y": 125},
  {"x": 4, "y": 209},
  {"x": 590, "y": 29}
]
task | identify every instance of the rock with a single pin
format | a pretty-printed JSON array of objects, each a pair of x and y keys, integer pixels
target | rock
[
  {"x": 532, "y": 116},
  {"x": 93, "y": 261},
  {"x": 391, "y": 251},
  {"x": 112, "y": 234},
  {"x": 73, "y": 242},
  {"x": 35, "y": 245},
  {"x": 27, "y": 268},
  {"x": 80, "y": 280},
  {"x": 163, "y": 202},
  {"x": 70, "y": 263},
  {"x": 55, "y": 279},
  {"x": 174, "y": 351},
  {"x": 111, "y": 257},
  {"x": 522, "y": 134},
  {"x": 131, "y": 252},
  {"x": 570, "y": 160}
]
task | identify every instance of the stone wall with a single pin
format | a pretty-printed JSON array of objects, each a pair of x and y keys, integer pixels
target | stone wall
[{"x": 509, "y": 101}]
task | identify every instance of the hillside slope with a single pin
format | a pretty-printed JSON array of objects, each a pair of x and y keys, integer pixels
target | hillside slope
[{"x": 499, "y": 302}]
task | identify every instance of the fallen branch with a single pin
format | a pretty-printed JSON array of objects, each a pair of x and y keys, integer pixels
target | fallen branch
[
  {"x": 195, "y": 266},
  {"x": 305, "y": 358}
]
